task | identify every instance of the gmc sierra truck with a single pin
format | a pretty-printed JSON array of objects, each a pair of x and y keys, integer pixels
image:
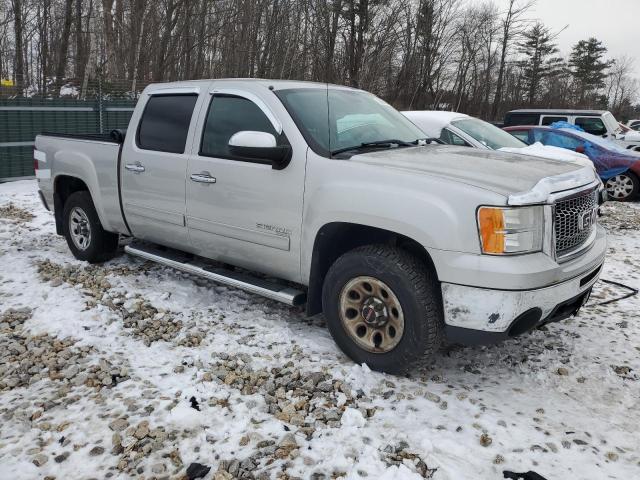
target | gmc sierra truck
[{"x": 325, "y": 195}]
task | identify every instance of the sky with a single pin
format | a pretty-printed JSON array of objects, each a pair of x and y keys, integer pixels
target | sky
[{"x": 615, "y": 22}]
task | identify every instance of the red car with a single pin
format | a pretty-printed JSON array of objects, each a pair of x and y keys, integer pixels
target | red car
[{"x": 619, "y": 168}]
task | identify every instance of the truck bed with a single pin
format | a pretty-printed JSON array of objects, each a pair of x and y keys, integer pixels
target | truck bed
[{"x": 92, "y": 157}]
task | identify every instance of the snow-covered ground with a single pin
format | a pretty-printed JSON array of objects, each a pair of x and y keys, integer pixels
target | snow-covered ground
[{"x": 101, "y": 368}]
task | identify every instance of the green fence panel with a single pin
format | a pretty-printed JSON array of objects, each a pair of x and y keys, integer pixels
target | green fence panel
[
  {"x": 16, "y": 162},
  {"x": 23, "y": 118}
]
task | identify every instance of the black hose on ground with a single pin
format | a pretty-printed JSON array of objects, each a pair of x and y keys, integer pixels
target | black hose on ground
[{"x": 632, "y": 292}]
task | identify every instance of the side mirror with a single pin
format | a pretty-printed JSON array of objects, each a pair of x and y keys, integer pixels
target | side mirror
[
  {"x": 580, "y": 149},
  {"x": 259, "y": 146}
]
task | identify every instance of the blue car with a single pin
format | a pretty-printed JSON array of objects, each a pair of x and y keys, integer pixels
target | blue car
[{"x": 619, "y": 168}]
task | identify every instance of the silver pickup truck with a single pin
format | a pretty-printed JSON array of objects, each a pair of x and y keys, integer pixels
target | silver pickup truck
[{"x": 327, "y": 196}]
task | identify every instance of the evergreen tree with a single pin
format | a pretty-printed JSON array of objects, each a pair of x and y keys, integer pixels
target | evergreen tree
[
  {"x": 588, "y": 68},
  {"x": 537, "y": 47}
]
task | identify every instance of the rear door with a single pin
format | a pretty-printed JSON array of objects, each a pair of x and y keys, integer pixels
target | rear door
[
  {"x": 154, "y": 165},
  {"x": 246, "y": 213}
]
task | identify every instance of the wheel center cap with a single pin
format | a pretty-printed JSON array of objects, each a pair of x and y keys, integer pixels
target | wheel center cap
[{"x": 374, "y": 312}]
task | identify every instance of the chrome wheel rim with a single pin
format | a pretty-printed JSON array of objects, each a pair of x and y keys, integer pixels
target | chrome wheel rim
[
  {"x": 79, "y": 228},
  {"x": 619, "y": 187},
  {"x": 371, "y": 314}
]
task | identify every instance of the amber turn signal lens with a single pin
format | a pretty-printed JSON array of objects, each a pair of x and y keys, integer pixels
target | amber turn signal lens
[{"x": 492, "y": 232}]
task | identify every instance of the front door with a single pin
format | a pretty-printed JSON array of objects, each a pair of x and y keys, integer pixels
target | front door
[
  {"x": 154, "y": 164},
  {"x": 592, "y": 125},
  {"x": 244, "y": 212}
]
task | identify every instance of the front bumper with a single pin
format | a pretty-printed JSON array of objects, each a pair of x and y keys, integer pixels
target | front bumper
[{"x": 476, "y": 314}]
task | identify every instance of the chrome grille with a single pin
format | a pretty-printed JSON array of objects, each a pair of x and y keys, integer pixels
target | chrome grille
[{"x": 575, "y": 220}]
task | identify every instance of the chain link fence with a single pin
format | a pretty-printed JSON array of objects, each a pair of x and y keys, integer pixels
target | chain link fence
[{"x": 73, "y": 107}]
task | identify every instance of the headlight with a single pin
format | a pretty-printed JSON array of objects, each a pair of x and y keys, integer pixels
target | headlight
[{"x": 506, "y": 231}]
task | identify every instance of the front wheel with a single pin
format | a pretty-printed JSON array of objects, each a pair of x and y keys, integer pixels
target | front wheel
[
  {"x": 383, "y": 307},
  {"x": 83, "y": 231},
  {"x": 623, "y": 187}
]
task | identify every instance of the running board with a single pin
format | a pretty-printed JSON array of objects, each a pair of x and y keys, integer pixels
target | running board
[{"x": 182, "y": 262}]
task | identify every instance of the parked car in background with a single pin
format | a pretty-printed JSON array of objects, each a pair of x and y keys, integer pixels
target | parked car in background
[
  {"x": 455, "y": 128},
  {"x": 596, "y": 122},
  {"x": 634, "y": 125},
  {"x": 618, "y": 167}
]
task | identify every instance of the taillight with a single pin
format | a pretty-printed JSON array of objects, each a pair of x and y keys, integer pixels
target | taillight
[{"x": 35, "y": 160}]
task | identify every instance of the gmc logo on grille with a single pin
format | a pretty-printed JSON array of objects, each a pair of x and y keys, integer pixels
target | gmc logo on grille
[{"x": 587, "y": 219}]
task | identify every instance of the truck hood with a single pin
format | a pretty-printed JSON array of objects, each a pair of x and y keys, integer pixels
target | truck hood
[{"x": 521, "y": 178}]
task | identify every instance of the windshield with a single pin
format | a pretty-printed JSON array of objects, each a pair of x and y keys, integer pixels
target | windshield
[
  {"x": 336, "y": 119},
  {"x": 611, "y": 122},
  {"x": 487, "y": 134}
]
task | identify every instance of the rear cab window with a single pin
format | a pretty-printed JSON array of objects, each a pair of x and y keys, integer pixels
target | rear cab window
[{"x": 164, "y": 124}]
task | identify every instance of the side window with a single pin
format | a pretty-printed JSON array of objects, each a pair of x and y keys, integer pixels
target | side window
[
  {"x": 521, "y": 135},
  {"x": 165, "y": 123},
  {"x": 593, "y": 125},
  {"x": 514, "y": 119},
  {"x": 450, "y": 138},
  {"x": 548, "y": 120},
  {"x": 229, "y": 115}
]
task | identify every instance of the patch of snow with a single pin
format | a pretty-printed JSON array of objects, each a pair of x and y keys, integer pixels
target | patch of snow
[
  {"x": 69, "y": 90},
  {"x": 551, "y": 152},
  {"x": 561, "y": 401}
]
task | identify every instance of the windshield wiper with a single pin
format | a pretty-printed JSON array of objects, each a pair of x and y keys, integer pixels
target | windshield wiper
[
  {"x": 377, "y": 144},
  {"x": 389, "y": 144}
]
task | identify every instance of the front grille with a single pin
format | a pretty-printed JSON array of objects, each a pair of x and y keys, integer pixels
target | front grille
[{"x": 574, "y": 221}]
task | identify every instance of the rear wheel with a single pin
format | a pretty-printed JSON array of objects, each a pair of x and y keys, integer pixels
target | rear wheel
[
  {"x": 623, "y": 187},
  {"x": 83, "y": 231},
  {"x": 383, "y": 307}
]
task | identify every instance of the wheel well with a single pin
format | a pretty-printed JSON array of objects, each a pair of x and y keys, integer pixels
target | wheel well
[
  {"x": 335, "y": 239},
  {"x": 63, "y": 187}
]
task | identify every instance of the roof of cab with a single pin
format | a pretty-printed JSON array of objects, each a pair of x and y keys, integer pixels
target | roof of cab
[
  {"x": 269, "y": 83},
  {"x": 558, "y": 111}
]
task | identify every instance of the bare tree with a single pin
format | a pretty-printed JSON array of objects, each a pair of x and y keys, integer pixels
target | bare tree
[
  {"x": 19, "y": 49},
  {"x": 621, "y": 87},
  {"x": 512, "y": 25},
  {"x": 463, "y": 55}
]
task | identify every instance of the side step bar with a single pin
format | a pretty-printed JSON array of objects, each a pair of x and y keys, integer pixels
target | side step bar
[{"x": 174, "y": 259}]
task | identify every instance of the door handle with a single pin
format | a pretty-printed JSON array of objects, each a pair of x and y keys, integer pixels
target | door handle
[
  {"x": 203, "y": 177},
  {"x": 134, "y": 167}
]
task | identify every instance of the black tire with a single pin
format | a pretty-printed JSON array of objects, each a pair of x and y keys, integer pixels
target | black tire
[
  {"x": 101, "y": 245},
  {"x": 635, "y": 190},
  {"x": 413, "y": 284}
]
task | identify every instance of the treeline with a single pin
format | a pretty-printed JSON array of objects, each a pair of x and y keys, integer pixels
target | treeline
[{"x": 461, "y": 55}]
